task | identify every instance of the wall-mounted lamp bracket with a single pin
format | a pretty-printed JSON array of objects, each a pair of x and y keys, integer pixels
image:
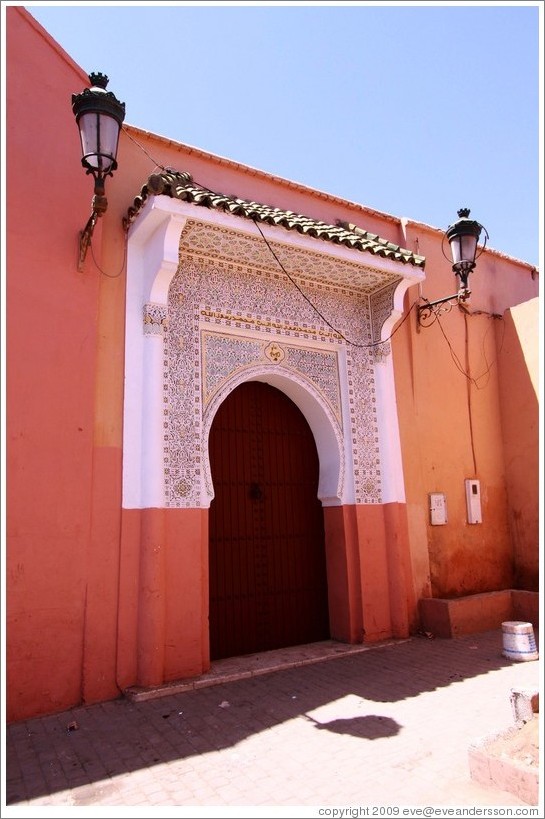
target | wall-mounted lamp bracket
[
  {"x": 100, "y": 203},
  {"x": 462, "y": 236},
  {"x": 99, "y": 116},
  {"x": 433, "y": 309}
]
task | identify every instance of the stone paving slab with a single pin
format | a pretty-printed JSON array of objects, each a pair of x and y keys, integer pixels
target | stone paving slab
[{"x": 387, "y": 726}]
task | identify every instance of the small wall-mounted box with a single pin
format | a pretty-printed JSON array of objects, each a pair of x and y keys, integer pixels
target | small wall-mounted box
[
  {"x": 473, "y": 501},
  {"x": 438, "y": 508}
]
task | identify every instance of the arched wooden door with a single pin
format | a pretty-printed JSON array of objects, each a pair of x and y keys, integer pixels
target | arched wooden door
[{"x": 268, "y": 584}]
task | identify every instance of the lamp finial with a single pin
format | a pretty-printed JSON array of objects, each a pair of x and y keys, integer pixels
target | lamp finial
[{"x": 98, "y": 80}]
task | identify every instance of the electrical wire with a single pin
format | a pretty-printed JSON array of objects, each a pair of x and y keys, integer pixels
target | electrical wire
[
  {"x": 465, "y": 371},
  {"x": 124, "y": 262},
  {"x": 489, "y": 366},
  {"x": 320, "y": 314},
  {"x": 453, "y": 355},
  {"x": 157, "y": 164},
  {"x": 459, "y": 366},
  {"x": 468, "y": 395}
]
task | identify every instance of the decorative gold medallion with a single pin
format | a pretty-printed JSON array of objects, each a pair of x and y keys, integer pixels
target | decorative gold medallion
[{"x": 274, "y": 353}]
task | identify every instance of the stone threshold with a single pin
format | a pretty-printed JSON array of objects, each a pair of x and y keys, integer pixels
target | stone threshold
[{"x": 254, "y": 665}]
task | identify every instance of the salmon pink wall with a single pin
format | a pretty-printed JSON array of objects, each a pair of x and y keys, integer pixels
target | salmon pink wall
[
  {"x": 51, "y": 351},
  {"x": 343, "y": 569},
  {"x": 448, "y": 387},
  {"x": 163, "y": 625},
  {"x": 100, "y": 598},
  {"x": 371, "y": 595},
  {"x": 519, "y": 384}
]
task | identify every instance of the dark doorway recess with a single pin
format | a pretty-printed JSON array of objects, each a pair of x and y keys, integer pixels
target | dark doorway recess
[{"x": 268, "y": 582}]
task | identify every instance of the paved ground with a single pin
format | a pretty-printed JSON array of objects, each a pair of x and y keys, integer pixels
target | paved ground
[{"x": 384, "y": 726}]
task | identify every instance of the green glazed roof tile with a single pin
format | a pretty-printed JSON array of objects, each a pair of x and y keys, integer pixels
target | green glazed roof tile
[{"x": 180, "y": 185}]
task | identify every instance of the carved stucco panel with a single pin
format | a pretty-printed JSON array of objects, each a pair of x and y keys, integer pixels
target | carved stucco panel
[
  {"x": 317, "y": 270},
  {"x": 224, "y": 355},
  {"x": 251, "y": 308},
  {"x": 154, "y": 318},
  {"x": 381, "y": 306}
]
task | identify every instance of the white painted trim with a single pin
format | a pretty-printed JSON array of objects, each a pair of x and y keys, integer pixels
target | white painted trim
[
  {"x": 397, "y": 311},
  {"x": 393, "y": 485},
  {"x": 152, "y": 261}
]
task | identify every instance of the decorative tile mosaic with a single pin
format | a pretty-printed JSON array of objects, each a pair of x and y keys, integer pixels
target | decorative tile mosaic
[
  {"x": 381, "y": 305},
  {"x": 222, "y": 357},
  {"x": 229, "y": 319},
  {"x": 315, "y": 270},
  {"x": 364, "y": 431},
  {"x": 155, "y": 318},
  {"x": 381, "y": 352},
  {"x": 225, "y": 355},
  {"x": 320, "y": 366}
]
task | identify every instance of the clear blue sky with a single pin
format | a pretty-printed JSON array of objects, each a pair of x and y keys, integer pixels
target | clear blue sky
[{"x": 414, "y": 110}]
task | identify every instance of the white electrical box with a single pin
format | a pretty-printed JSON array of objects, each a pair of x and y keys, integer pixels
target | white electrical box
[
  {"x": 473, "y": 500},
  {"x": 438, "y": 508}
]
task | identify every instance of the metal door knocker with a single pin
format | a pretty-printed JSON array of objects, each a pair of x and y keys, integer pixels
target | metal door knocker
[{"x": 256, "y": 492}]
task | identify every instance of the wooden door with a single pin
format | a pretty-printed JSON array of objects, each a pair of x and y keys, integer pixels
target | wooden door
[{"x": 268, "y": 584}]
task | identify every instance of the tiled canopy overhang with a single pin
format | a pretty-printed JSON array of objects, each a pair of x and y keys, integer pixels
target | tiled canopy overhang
[
  {"x": 213, "y": 279},
  {"x": 179, "y": 185},
  {"x": 374, "y": 271}
]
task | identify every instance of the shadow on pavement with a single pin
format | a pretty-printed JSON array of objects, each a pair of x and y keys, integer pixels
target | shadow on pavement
[
  {"x": 368, "y": 727},
  {"x": 92, "y": 743}
]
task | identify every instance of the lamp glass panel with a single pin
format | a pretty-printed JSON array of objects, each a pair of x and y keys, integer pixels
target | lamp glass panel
[
  {"x": 99, "y": 136},
  {"x": 456, "y": 249},
  {"x": 463, "y": 248},
  {"x": 469, "y": 247}
]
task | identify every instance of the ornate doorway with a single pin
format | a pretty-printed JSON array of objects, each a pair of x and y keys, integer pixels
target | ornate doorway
[{"x": 268, "y": 581}]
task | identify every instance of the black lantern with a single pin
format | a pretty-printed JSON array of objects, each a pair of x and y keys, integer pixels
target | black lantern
[
  {"x": 99, "y": 116},
  {"x": 463, "y": 237}
]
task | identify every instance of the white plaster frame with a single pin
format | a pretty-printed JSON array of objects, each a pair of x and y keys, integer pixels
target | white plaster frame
[{"x": 152, "y": 262}]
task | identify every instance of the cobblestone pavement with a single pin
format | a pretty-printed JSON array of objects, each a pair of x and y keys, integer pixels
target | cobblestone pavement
[{"x": 385, "y": 726}]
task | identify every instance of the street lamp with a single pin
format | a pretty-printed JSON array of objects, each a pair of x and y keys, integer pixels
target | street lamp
[
  {"x": 463, "y": 237},
  {"x": 99, "y": 116}
]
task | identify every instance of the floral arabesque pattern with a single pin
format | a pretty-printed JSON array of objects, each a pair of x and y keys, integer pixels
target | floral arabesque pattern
[{"x": 241, "y": 304}]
